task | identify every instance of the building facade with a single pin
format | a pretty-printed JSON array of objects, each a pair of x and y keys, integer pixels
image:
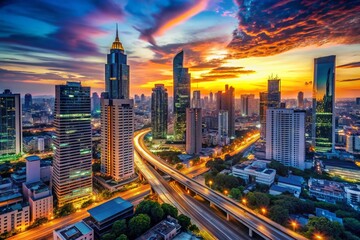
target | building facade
[
  {"x": 14, "y": 217},
  {"x": 262, "y": 113},
  {"x": 248, "y": 104},
  {"x": 193, "y": 130},
  {"x": 159, "y": 111},
  {"x": 28, "y": 102},
  {"x": 76, "y": 231},
  {"x": 72, "y": 174},
  {"x": 223, "y": 127},
  {"x": 226, "y": 101},
  {"x": 181, "y": 77},
  {"x": 323, "y": 129},
  {"x": 300, "y": 100},
  {"x": 10, "y": 123},
  {"x": 117, "y": 117},
  {"x": 285, "y": 136}
]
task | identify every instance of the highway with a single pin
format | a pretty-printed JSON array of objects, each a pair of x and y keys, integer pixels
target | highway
[
  {"x": 258, "y": 223},
  {"x": 214, "y": 226},
  {"x": 45, "y": 231}
]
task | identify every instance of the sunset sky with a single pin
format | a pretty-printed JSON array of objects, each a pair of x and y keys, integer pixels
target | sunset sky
[{"x": 235, "y": 42}]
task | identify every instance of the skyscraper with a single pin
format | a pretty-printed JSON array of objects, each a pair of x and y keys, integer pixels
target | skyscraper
[
  {"x": 262, "y": 112},
  {"x": 223, "y": 127},
  {"x": 196, "y": 100},
  {"x": 28, "y": 102},
  {"x": 72, "y": 179},
  {"x": 181, "y": 77},
  {"x": 193, "y": 130},
  {"x": 274, "y": 94},
  {"x": 300, "y": 100},
  {"x": 248, "y": 104},
  {"x": 159, "y": 111},
  {"x": 211, "y": 97},
  {"x": 117, "y": 117},
  {"x": 95, "y": 100},
  {"x": 226, "y": 101},
  {"x": 323, "y": 132},
  {"x": 285, "y": 136},
  {"x": 10, "y": 123}
]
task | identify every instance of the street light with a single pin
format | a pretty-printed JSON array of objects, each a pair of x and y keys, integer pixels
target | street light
[
  {"x": 263, "y": 210},
  {"x": 210, "y": 183},
  {"x": 318, "y": 236},
  {"x": 225, "y": 192},
  {"x": 244, "y": 201},
  {"x": 294, "y": 225}
]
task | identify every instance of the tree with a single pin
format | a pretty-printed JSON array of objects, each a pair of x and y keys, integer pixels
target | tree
[
  {"x": 324, "y": 226},
  {"x": 352, "y": 225},
  {"x": 87, "y": 203},
  {"x": 169, "y": 210},
  {"x": 122, "y": 237},
  {"x": 157, "y": 214},
  {"x": 235, "y": 193},
  {"x": 222, "y": 182},
  {"x": 152, "y": 209},
  {"x": 119, "y": 227},
  {"x": 139, "y": 224},
  {"x": 279, "y": 214},
  {"x": 67, "y": 209},
  {"x": 261, "y": 199},
  {"x": 194, "y": 228},
  {"x": 251, "y": 199},
  {"x": 280, "y": 168},
  {"x": 184, "y": 221},
  {"x": 106, "y": 194},
  {"x": 108, "y": 236}
]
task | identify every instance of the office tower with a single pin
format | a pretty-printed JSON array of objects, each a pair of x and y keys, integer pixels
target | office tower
[
  {"x": 353, "y": 143},
  {"x": 274, "y": 94},
  {"x": 357, "y": 101},
  {"x": 117, "y": 117},
  {"x": 72, "y": 142},
  {"x": 247, "y": 104},
  {"x": 196, "y": 100},
  {"x": 10, "y": 124},
  {"x": 95, "y": 104},
  {"x": 285, "y": 136},
  {"x": 211, "y": 97},
  {"x": 300, "y": 100},
  {"x": 142, "y": 98},
  {"x": 262, "y": 112},
  {"x": 193, "y": 130},
  {"x": 159, "y": 111},
  {"x": 181, "y": 78},
  {"x": 323, "y": 131},
  {"x": 223, "y": 127},
  {"x": 28, "y": 102},
  {"x": 226, "y": 101}
]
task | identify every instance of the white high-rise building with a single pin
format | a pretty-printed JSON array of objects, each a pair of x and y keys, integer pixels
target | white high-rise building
[
  {"x": 223, "y": 127},
  {"x": 193, "y": 130},
  {"x": 117, "y": 148},
  {"x": 196, "y": 100},
  {"x": 285, "y": 136}
]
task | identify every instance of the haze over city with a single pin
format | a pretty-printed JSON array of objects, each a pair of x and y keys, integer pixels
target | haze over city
[{"x": 237, "y": 42}]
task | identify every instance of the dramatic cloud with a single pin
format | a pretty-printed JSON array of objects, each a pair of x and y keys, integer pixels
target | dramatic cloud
[
  {"x": 70, "y": 27},
  {"x": 350, "y": 65},
  {"x": 221, "y": 73},
  {"x": 169, "y": 14},
  {"x": 268, "y": 27},
  {"x": 350, "y": 80}
]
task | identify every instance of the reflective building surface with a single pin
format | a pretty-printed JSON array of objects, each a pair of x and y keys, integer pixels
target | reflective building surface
[
  {"x": 181, "y": 77},
  {"x": 72, "y": 178},
  {"x": 323, "y": 131},
  {"x": 159, "y": 111}
]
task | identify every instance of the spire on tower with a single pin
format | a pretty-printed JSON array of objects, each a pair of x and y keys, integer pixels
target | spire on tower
[{"x": 117, "y": 44}]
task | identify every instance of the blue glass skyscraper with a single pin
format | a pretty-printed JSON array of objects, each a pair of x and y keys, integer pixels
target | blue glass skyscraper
[
  {"x": 323, "y": 130},
  {"x": 181, "y": 77}
]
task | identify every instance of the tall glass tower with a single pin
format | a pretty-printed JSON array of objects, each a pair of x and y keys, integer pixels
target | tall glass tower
[
  {"x": 181, "y": 77},
  {"x": 10, "y": 124},
  {"x": 72, "y": 178},
  {"x": 323, "y": 129},
  {"x": 117, "y": 117},
  {"x": 159, "y": 111}
]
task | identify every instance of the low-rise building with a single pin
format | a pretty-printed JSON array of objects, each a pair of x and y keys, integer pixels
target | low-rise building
[
  {"x": 14, "y": 217},
  {"x": 76, "y": 231},
  {"x": 9, "y": 193},
  {"x": 324, "y": 190},
  {"x": 329, "y": 215},
  {"x": 254, "y": 171},
  {"x": 165, "y": 230},
  {"x": 103, "y": 216},
  {"x": 291, "y": 182},
  {"x": 40, "y": 200},
  {"x": 277, "y": 190},
  {"x": 353, "y": 196}
]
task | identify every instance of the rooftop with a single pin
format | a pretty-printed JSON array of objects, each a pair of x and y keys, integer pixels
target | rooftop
[
  {"x": 33, "y": 158},
  {"x": 37, "y": 187},
  {"x": 109, "y": 209},
  {"x": 292, "y": 180},
  {"x": 74, "y": 231},
  {"x": 280, "y": 189},
  {"x": 12, "y": 207}
]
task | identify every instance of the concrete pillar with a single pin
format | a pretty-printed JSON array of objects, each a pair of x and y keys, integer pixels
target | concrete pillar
[
  {"x": 227, "y": 216},
  {"x": 250, "y": 232}
]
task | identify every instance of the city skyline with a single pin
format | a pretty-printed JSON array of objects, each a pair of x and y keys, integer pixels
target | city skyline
[{"x": 220, "y": 44}]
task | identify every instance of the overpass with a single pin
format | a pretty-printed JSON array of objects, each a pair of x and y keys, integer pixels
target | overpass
[{"x": 263, "y": 226}]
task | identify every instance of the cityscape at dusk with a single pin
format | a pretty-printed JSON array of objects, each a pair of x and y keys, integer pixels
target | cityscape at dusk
[{"x": 180, "y": 120}]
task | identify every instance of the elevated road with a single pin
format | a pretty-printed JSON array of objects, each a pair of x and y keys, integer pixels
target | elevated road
[{"x": 263, "y": 226}]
